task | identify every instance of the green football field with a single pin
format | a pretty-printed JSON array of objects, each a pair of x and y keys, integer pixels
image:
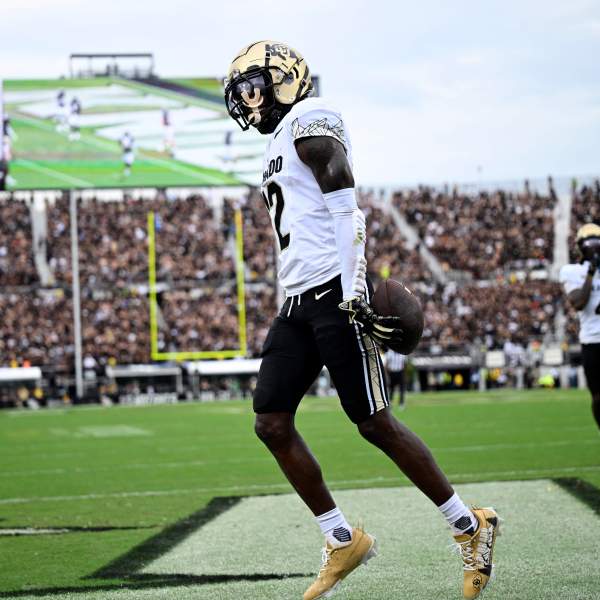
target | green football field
[
  {"x": 183, "y": 502},
  {"x": 46, "y": 156}
]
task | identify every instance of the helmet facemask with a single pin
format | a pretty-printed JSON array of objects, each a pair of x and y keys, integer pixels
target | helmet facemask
[
  {"x": 590, "y": 249},
  {"x": 250, "y": 100}
]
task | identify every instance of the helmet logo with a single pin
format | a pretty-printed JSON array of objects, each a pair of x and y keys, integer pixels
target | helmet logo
[{"x": 280, "y": 50}]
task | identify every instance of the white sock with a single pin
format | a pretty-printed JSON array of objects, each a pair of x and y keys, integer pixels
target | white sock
[
  {"x": 458, "y": 515},
  {"x": 335, "y": 528}
]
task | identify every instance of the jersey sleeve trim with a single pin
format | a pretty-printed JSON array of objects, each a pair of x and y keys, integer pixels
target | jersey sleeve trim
[{"x": 321, "y": 127}]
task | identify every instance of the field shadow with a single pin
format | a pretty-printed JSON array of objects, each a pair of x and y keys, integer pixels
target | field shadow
[{"x": 126, "y": 568}]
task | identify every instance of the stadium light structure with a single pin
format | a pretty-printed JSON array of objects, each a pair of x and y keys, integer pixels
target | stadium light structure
[
  {"x": 76, "y": 291},
  {"x": 112, "y": 64}
]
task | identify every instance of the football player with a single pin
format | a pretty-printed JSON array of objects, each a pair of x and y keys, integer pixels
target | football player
[
  {"x": 62, "y": 111},
  {"x": 168, "y": 133},
  {"x": 582, "y": 284},
  {"x": 6, "y": 154},
  {"x": 395, "y": 364},
  {"x": 74, "y": 119},
  {"x": 308, "y": 189},
  {"x": 127, "y": 146}
]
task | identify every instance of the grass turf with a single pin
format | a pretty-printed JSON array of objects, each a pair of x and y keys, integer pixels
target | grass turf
[{"x": 150, "y": 467}]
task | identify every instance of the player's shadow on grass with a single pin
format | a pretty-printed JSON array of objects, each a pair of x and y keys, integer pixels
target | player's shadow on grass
[{"x": 126, "y": 567}]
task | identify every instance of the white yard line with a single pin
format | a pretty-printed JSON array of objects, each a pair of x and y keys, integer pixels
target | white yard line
[
  {"x": 31, "y": 531},
  {"x": 285, "y": 486}
]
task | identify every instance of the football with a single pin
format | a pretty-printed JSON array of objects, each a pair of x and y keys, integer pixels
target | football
[{"x": 393, "y": 298}]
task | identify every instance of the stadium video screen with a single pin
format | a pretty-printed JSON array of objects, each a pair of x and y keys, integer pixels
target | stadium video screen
[{"x": 106, "y": 132}]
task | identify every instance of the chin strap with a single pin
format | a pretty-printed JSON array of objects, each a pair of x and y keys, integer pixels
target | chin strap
[{"x": 269, "y": 123}]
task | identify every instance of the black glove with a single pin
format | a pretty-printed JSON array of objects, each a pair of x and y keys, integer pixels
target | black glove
[
  {"x": 594, "y": 264},
  {"x": 382, "y": 329}
]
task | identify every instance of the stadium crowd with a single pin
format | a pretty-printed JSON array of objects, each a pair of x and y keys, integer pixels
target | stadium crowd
[
  {"x": 488, "y": 314},
  {"x": 16, "y": 252},
  {"x": 486, "y": 235},
  {"x": 585, "y": 208},
  {"x": 387, "y": 253},
  {"x": 113, "y": 245},
  {"x": 482, "y": 233}
]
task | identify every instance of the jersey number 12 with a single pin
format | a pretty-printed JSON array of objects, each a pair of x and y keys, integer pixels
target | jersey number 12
[{"x": 274, "y": 196}]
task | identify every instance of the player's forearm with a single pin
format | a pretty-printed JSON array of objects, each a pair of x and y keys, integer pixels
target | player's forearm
[
  {"x": 579, "y": 298},
  {"x": 350, "y": 237}
]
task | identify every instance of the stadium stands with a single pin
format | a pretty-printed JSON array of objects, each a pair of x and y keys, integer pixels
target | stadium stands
[
  {"x": 37, "y": 328},
  {"x": 387, "y": 252},
  {"x": 585, "y": 209},
  {"x": 16, "y": 252},
  {"x": 491, "y": 244},
  {"x": 482, "y": 233},
  {"x": 113, "y": 245}
]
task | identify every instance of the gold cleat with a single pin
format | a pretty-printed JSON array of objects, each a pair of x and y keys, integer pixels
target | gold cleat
[
  {"x": 339, "y": 562},
  {"x": 477, "y": 550}
]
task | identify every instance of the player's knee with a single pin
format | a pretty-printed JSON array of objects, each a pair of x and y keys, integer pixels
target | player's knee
[
  {"x": 273, "y": 431},
  {"x": 379, "y": 427}
]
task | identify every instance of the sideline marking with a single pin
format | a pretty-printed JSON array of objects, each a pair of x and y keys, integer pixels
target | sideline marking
[{"x": 19, "y": 531}]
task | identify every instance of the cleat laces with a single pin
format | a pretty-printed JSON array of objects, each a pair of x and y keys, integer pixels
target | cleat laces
[
  {"x": 325, "y": 556},
  {"x": 479, "y": 557}
]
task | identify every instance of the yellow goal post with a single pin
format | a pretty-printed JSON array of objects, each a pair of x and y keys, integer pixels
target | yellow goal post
[{"x": 155, "y": 353}]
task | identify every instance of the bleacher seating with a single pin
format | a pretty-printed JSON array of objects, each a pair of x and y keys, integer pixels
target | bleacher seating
[
  {"x": 17, "y": 267},
  {"x": 488, "y": 236},
  {"x": 482, "y": 233}
]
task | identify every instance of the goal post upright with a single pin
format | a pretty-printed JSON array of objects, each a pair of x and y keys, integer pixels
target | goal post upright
[
  {"x": 152, "y": 287},
  {"x": 241, "y": 287},
  {"x": 155, "y": 353}
]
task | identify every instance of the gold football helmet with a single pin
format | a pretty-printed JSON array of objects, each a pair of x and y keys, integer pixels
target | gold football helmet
[
  {"x": 587, "y": 231},
  {"x": 264, "y": 81},
  {"x": 588, "y": 242}
]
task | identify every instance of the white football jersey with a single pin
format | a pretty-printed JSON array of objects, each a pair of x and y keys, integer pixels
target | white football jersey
[
  {"x": 573, "y": 278},
  {"x": 303, "y": 225}
]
